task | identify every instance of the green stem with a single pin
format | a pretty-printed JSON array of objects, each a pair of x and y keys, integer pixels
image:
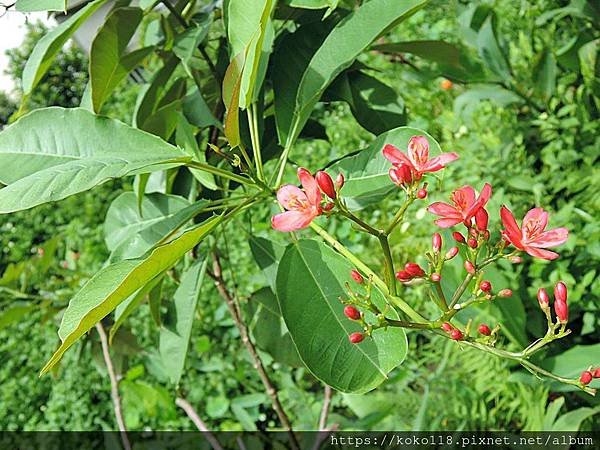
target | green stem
[
  {"x": 220, "y": 172},
  {"x": 461, "y": 289},
  {"x": 254, "y": 137},
  {"x": 400, "y": 214},
  {"x": 440, "y": 293},
  {"x": 388, "y": 264}
]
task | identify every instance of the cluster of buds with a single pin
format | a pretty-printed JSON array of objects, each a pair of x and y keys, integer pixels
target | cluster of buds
[
  {"x": 411, "y": 271},
  {"x": 561, "y": 308},
  {"x": 487, "y": 334},
  {"x": 328, "y": 187},
  {"x": 363, "y": 301},
  {"x": 588, "y": 375}
]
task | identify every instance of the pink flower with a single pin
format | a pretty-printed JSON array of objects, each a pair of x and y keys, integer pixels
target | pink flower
[
  {"x": 465, "y": 206},
  {"x": 302, "y": 206},
  {"x": 417, "y": 159},
  {"x": 531, "y": 237}
]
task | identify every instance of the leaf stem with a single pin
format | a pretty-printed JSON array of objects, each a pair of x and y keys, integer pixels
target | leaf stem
[{"x": 220, "y": 172}]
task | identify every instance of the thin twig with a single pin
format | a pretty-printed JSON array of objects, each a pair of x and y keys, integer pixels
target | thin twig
[
  {"x": 114, "y": 386},
  {"x": 234, "y": 309},
  {"x": 327, "y": 394},
  {"x": 193, "y": 415}
]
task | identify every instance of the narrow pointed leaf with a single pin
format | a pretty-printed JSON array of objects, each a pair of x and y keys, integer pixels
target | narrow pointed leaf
[
  {"x": 114, "y": 283},
  {"x": 310, "y": 281},
  {"x": 53, "y": 153}
]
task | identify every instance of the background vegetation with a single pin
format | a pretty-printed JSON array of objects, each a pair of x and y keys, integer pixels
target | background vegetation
[{"x": 533, "y": 135}]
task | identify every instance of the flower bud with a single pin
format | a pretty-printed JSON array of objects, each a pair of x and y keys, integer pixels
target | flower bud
[
  {"x": 356, "y": 276},
  {"x": 436, "y": 277},
  {"x": 516, "y": 259},
  {"x": 436, "y": 242},
  {"x": 326, "y": 184},
  {"x": 422, "y": 193},
  {"x": 447, "y": 327},
  {"x": 472, "y": 242},
  {"x": 543, "y": 298},
  {"x": 586, "y": 377},
  {"x": 484, "y": 329},
  {"x": 596, "y": 373},
  {"x": 505, "y": 293},
  {"x": 485, "y": 286},
  {"x": 486, "y": 235},
  {"x": 481, "y": 219},
  {"x": 351, "y": 312},
  {"x": 452, "y": 253},
  {"x": 456, "y": 334},
  {"x": 458, "y": 237},
  {"x": 403, "y": 276},
  {"x": 446, "y": 84},
  {"x": 357, "y": 337},
  {"x": 473, "y": 232},
  {"x": 414, "y": 269},
  {"x": 400, "y": 175},
  {"x": 328, "y": 206},
  {"x": 339, "y": 181},
  {"x": 562, "y": 310},
  {"x": 560, "y": 291},
  {"x": 469, "y": 267}
]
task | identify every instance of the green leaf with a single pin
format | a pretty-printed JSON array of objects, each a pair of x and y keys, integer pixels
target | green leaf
[
  {"x": 367, "y": 179},
  {"x": 313, "y": 4},
  {"x": 185, "y": 138},
  {"x": 340, "y": 49},
  {"x": 544, "y": 74},
  {"x": 114, "y": 283},
  {"x": 570, "y": 363},
  {"x": 186, "y": 43},
  {"x": 177, "y": 326},
  {"x": 231, "y": 97},
  {"x": 152, "y": 93},
  {"x": 572, "y": 420},
  {"x": 490, "y": 50},
  {"x": 466, "y": 103},
  {"x": 375, "y": 105},
  {"x": 197, "y": 112},
  {"x": 590, "y": 65},
  {"x": 310, "y": 281},
  {"x": 267, "y": 254},
  {"x": 51, "y": 43},
  {"x": 40, "y": 5},
  {"x": 53, "y": 153},
  {"x": 109, "y": 61},
  {"x": 124, "y": 219}
]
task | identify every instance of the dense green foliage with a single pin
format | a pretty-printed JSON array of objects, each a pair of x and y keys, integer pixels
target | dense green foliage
[{"x": 536, "y": 142}]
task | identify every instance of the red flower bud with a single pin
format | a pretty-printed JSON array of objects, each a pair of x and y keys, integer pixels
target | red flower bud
[
  {"x": 543, "y": 298},
  {"x": 357, "y": 337},
  {"x": 560, "y": 291},
  {"x": 473, "y": 232},
  {"x": 422, "y": 193},
  {"x": 481, "y": 219},
  {"x": 586, "y": 377},
  {"x": 351, "y": 312},
  {"x": 485, "y": 286},
  {"x": 505, "y": 293},
  {"x": 516, "y": 259},
  {"x": 339, "y": 181},
  {"x": 328, "y": 206},
  {"x": 414, "y": 269},
  {"x": 562, "y": 310},
  {"x": 436, "y": 277},
  {"x": 447, "y": 327},
  {"x": 596, "y": 373},
  {"x": 469, "y": 267},
  {"x": 472, "y": 243},
  {"x": 436, "y": 242},
  {"x": 403, "y": 276},
  {"x": 400, "y": 175},
  {"x": 486, "y": 235},
  {"x": 326, "y": 184},
  {"x": 456, "y": 334},
  {"x": 484, "y": 329},
  {"x": 356, "y": 276},
  {"x": 452, "y": 253},
  {"x": 458, "y": 237}
]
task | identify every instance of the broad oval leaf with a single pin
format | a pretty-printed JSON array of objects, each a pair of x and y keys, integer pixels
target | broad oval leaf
[
  {"x": 310, "y": 282},
  {"x": 109, "y": 61},
  {"x": 340, "y": 49},
  {"x": 51, "y": 43},
  {"x": 367, "y": 179},
  {"x": 116, "y": 282},
  {"x": 53, "y": 153},
  {"x": 40, "y": 5}
]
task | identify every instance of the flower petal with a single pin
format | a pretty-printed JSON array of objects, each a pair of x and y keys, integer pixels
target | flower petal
[
  {"x": 291, "y": 220},
  {"x": 464, "y": 197},
  {"x": 290, "y": 196},
  {"x": 418, "y": 151},
  {"x": 439, "y": 162},
  {"x": 395, "y": 156},
  {"x": 513, "y": 232},
  {"x": 551, "y": 238},
  {"x": 541, "y": 253},
  {"x": 443, "y": 209},
  {"x": 447, "y": 222},
  {"x": 310, "y": 186},
  {"x": 536, "y": 215},
  {"x": 484, "y": 196}
]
